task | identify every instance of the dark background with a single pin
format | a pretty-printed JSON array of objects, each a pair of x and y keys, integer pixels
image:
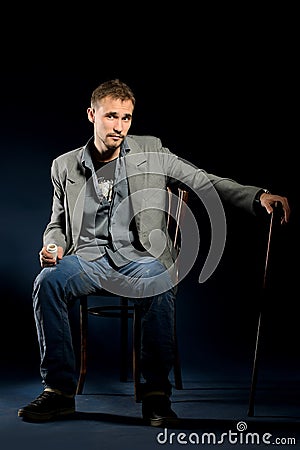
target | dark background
[{"x": 225, "y": 99}]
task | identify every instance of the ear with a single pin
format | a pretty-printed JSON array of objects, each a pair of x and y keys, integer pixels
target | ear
[{"x": 91, "y": 115}]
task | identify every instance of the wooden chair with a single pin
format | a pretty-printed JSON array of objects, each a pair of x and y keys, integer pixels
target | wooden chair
[{"x": 124, "y": 312}]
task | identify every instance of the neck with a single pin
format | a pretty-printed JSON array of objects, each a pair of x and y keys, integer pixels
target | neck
[{"x": 106, "y": 156}]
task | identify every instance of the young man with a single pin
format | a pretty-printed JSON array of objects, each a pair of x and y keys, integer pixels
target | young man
[{"x": 108, "y": 204}]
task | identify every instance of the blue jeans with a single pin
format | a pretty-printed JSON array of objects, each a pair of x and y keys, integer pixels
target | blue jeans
[{"x": 55, "y": 291}]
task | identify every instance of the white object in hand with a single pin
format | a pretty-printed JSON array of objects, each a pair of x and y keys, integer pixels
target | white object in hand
[{"x": 52, "y": 248}]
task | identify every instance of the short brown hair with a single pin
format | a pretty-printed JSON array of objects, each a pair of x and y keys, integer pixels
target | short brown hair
[{"x": 116, "y": 89}]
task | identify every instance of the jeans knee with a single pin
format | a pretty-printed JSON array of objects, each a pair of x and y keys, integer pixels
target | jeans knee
[
  {"x": 45, "y": 277},
  {"x": 45, "y": 284}
]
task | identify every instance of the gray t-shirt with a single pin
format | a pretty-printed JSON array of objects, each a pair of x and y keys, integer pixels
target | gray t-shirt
[{"x": 107, "y": 221}]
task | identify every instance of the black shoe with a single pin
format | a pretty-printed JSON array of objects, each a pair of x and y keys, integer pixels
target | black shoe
[
  {"x": 157, "y": 412},
  {"x": 47, "y": 406}
]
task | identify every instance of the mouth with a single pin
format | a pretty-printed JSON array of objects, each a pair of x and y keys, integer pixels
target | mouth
[{"x": 115, "y": 136}]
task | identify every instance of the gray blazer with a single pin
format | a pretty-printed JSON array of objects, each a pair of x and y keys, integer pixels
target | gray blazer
[{"x": 150, "y": 169}]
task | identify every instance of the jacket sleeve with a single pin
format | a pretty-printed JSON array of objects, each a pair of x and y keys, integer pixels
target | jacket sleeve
[
  {"x": 55, "y": 231},
  {"x": 207, "y": 185}
]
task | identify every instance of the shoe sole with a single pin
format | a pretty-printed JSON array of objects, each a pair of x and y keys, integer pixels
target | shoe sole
[
  {"x": 35, "y": 417},
  {"x": 162, "y": 421}
]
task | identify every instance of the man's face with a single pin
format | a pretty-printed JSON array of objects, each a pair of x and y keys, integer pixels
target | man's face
[{"x": 112, "y": 120}]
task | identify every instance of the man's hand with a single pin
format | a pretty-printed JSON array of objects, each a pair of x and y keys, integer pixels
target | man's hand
[
  {"x": 46, "y": 258},
  {"x": 268, "y": 201}
]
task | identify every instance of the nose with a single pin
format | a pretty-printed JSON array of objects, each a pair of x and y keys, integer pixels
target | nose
[{"x": 118, "y": 125}]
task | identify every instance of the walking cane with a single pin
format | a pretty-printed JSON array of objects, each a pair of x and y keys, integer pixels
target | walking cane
[{"x": 275, "y": 217}]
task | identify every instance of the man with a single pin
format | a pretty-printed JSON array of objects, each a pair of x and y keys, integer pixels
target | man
[{"x": 108, "y": 203}]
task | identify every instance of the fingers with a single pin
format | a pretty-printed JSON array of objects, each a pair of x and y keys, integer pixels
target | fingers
[
  {"x": 46, "y": 258},
  {"x": 268, "y": 201},
  {"x": 285, "y": 209}
]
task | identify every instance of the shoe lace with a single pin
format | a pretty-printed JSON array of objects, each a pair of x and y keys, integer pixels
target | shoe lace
[{"x": 42, "y": 397}]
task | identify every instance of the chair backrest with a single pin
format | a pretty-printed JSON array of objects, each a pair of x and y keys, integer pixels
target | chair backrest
[{"x": 176, "y": 210}]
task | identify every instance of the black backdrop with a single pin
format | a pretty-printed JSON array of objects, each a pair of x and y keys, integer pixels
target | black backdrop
[{"x": 228, "y": 109}]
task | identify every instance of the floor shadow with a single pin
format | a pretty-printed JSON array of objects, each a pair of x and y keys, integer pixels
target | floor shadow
[{"x": 257, "y": 424}]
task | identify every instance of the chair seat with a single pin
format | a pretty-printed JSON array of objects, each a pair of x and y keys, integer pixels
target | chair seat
[{"x": 111, "y": 310}]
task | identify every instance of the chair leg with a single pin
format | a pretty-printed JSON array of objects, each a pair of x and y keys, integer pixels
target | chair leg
[
  {"x": 124, "y": 340},
  {"x": 177, "y": 367},
  {"x": 137, "y": 353},
  {"x": 177, "y": 364},
  {"x": 83, "y": 344},
  {"x": 124, "y": 349}
]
